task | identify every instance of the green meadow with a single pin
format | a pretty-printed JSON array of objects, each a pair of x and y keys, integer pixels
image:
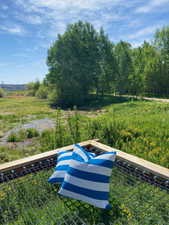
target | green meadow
[
  {"x": 134, "y": 126},
  {"x": 133, "y": 203}
]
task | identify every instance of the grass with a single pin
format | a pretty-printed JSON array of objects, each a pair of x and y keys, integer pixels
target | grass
[
  {"x": 31, "y": 200},
  {"x": 15, "y": 111},
  {"x": 23, "y": 134},
  {"x": 137, "y": 127}
]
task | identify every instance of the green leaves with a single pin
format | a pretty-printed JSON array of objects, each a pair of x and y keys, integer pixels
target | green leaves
[{"x": 80, "y": 61}]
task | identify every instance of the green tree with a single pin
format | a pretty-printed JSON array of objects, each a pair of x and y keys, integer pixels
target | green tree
[
  {"x": 107, "y": 65},
  {"x": 2, "y": 93},
  {"x": 78, "y": 62},
  {"x": 161, "y": 41},
  {"x": 72, "y": 63},
  {"x": 42, "y": 92},
  {"x": 141, "y": 57},
  {"x": 123, "y": 53},
  {"x": 33, "y": 87}
]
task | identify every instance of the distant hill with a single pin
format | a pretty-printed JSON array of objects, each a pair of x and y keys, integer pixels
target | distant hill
[{"x": 13, "y": 87}]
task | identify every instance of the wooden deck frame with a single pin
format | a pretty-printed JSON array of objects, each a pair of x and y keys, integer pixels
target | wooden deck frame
[{"x": 137, "y": 162}]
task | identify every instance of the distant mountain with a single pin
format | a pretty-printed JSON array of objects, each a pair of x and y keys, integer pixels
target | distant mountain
[{"x": 13, "y": 87}]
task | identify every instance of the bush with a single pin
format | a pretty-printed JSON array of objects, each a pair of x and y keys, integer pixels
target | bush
[
  {"x": 2, "y": 93},
  {"x": 42, "y": 92},
  {"x": 53, "y": 98},
  {"x": 22, "y": 135},
  {"x": 13, "y": 137},
  {"x": 32, "y": 88},
  {"x": 1, "y": 134},
  {"x": 32, "y": 132}
]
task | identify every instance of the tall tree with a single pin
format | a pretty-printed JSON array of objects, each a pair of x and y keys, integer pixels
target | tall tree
[
  {"x": 162, "y": 42},
  {"x": 77, "y": 62},
  {"x": 107, "y": 64},
  {"x": 141, "y": 56},
  {"x": 162, "y": 45},
  {"x": 123, "y": 55}
]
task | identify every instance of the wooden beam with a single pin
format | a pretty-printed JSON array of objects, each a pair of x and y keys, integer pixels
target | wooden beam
[
  {"x": 136, "y": 161},
  {"x": 32, "y": 159}
]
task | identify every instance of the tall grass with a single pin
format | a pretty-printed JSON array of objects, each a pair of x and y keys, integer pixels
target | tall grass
[
  {"x": 137, "y": 128},
  {"x": 31, "y": 200}
]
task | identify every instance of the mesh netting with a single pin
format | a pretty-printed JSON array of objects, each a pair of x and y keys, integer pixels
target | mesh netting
[{"x": 31, "y": 200}]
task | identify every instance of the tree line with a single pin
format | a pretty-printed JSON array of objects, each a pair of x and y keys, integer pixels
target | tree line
[{"x": 84, "y": 61}]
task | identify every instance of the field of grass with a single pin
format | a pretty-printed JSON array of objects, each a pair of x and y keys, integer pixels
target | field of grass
[
  {"x": 31, "y": 200},
  {"x": 134, "y": 126}
]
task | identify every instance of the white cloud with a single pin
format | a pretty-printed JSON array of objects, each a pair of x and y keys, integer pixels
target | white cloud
[
  {"x": 34, "y": 5},
  {"x": 51, "y": 17},
  {"x": 58, "y": 27},
  {"x": 14, "y": 29},
  {"x": 58, "y": 13},
  {"x": 30, "y": 19},
  {"x": 136, "y": 44},
  {"x": 143, "y": 32},
  {"x": 151, "y": 5}
]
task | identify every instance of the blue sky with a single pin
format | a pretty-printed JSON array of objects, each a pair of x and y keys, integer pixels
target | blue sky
[{"x": 28, "y": 28}]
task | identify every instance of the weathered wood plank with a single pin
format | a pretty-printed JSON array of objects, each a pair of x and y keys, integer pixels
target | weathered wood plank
[
  {"x": 136, "y": 161},
  {"x": 32, "y": 159}
]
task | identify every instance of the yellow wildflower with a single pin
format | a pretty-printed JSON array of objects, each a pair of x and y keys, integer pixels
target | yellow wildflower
[{"x": 2, "y": 195}]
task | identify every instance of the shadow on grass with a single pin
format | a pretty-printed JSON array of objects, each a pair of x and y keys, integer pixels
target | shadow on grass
[{"x": 95, "y": 103}]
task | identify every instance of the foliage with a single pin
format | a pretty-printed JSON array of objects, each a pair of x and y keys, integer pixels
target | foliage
[
  {"x": 83, "y": 60},
  {"x": 14, "y": 137},
  {"x": 42, "y": 92},
  {"x": 23, "y": 134},
  {"x": 32, "y": 88},
  {"x": 53, "y": 97},
  {"x": 32, "y": 200},
  {"x": 137, "y": 127},
  {"x": 2, "y": 93},
  {"x": 32, "y": 132},
  {"x": 80, "y": 61},
  {"x": 123, "y": 53}
]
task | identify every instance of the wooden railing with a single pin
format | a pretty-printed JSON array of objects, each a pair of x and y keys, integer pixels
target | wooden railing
[{"x": 131, "y": 164}]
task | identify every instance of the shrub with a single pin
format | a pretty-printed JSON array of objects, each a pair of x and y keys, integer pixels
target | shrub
[
  {"x": 13, "y": 137},
  {"x": 32, "y": 132},
  {"x": 2, "y": 93},
  {"x": 47, "y": 140},
  {"x": 1, "y": 134},
  {"x": 42, "y": 92},
  {"x": 22, "y": 135},
  {"x": 53, "y": 98},
  {"x": 32, "y": 88}
]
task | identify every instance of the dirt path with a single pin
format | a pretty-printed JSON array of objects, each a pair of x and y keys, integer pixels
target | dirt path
[
  {"x": 157, "y": 99},
  {"x": 149, "y": 99}
]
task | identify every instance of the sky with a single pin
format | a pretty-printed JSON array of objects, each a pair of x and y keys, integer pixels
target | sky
[{"x": 29, "y": 27}]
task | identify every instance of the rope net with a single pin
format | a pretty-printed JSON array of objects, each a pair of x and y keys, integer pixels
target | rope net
[{"x": 30, "y": 200}]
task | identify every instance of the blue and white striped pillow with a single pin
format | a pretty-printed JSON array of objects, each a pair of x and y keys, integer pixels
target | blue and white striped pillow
[
  {"x": 62, "y": 165},
  {"x": 89, "y": 181},
  {"x": 63, "y": 161}
]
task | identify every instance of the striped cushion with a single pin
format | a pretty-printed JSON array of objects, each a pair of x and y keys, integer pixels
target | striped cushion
[
  {"x": 63, "y": 160},
  {"x": 89, "y": 181}
]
